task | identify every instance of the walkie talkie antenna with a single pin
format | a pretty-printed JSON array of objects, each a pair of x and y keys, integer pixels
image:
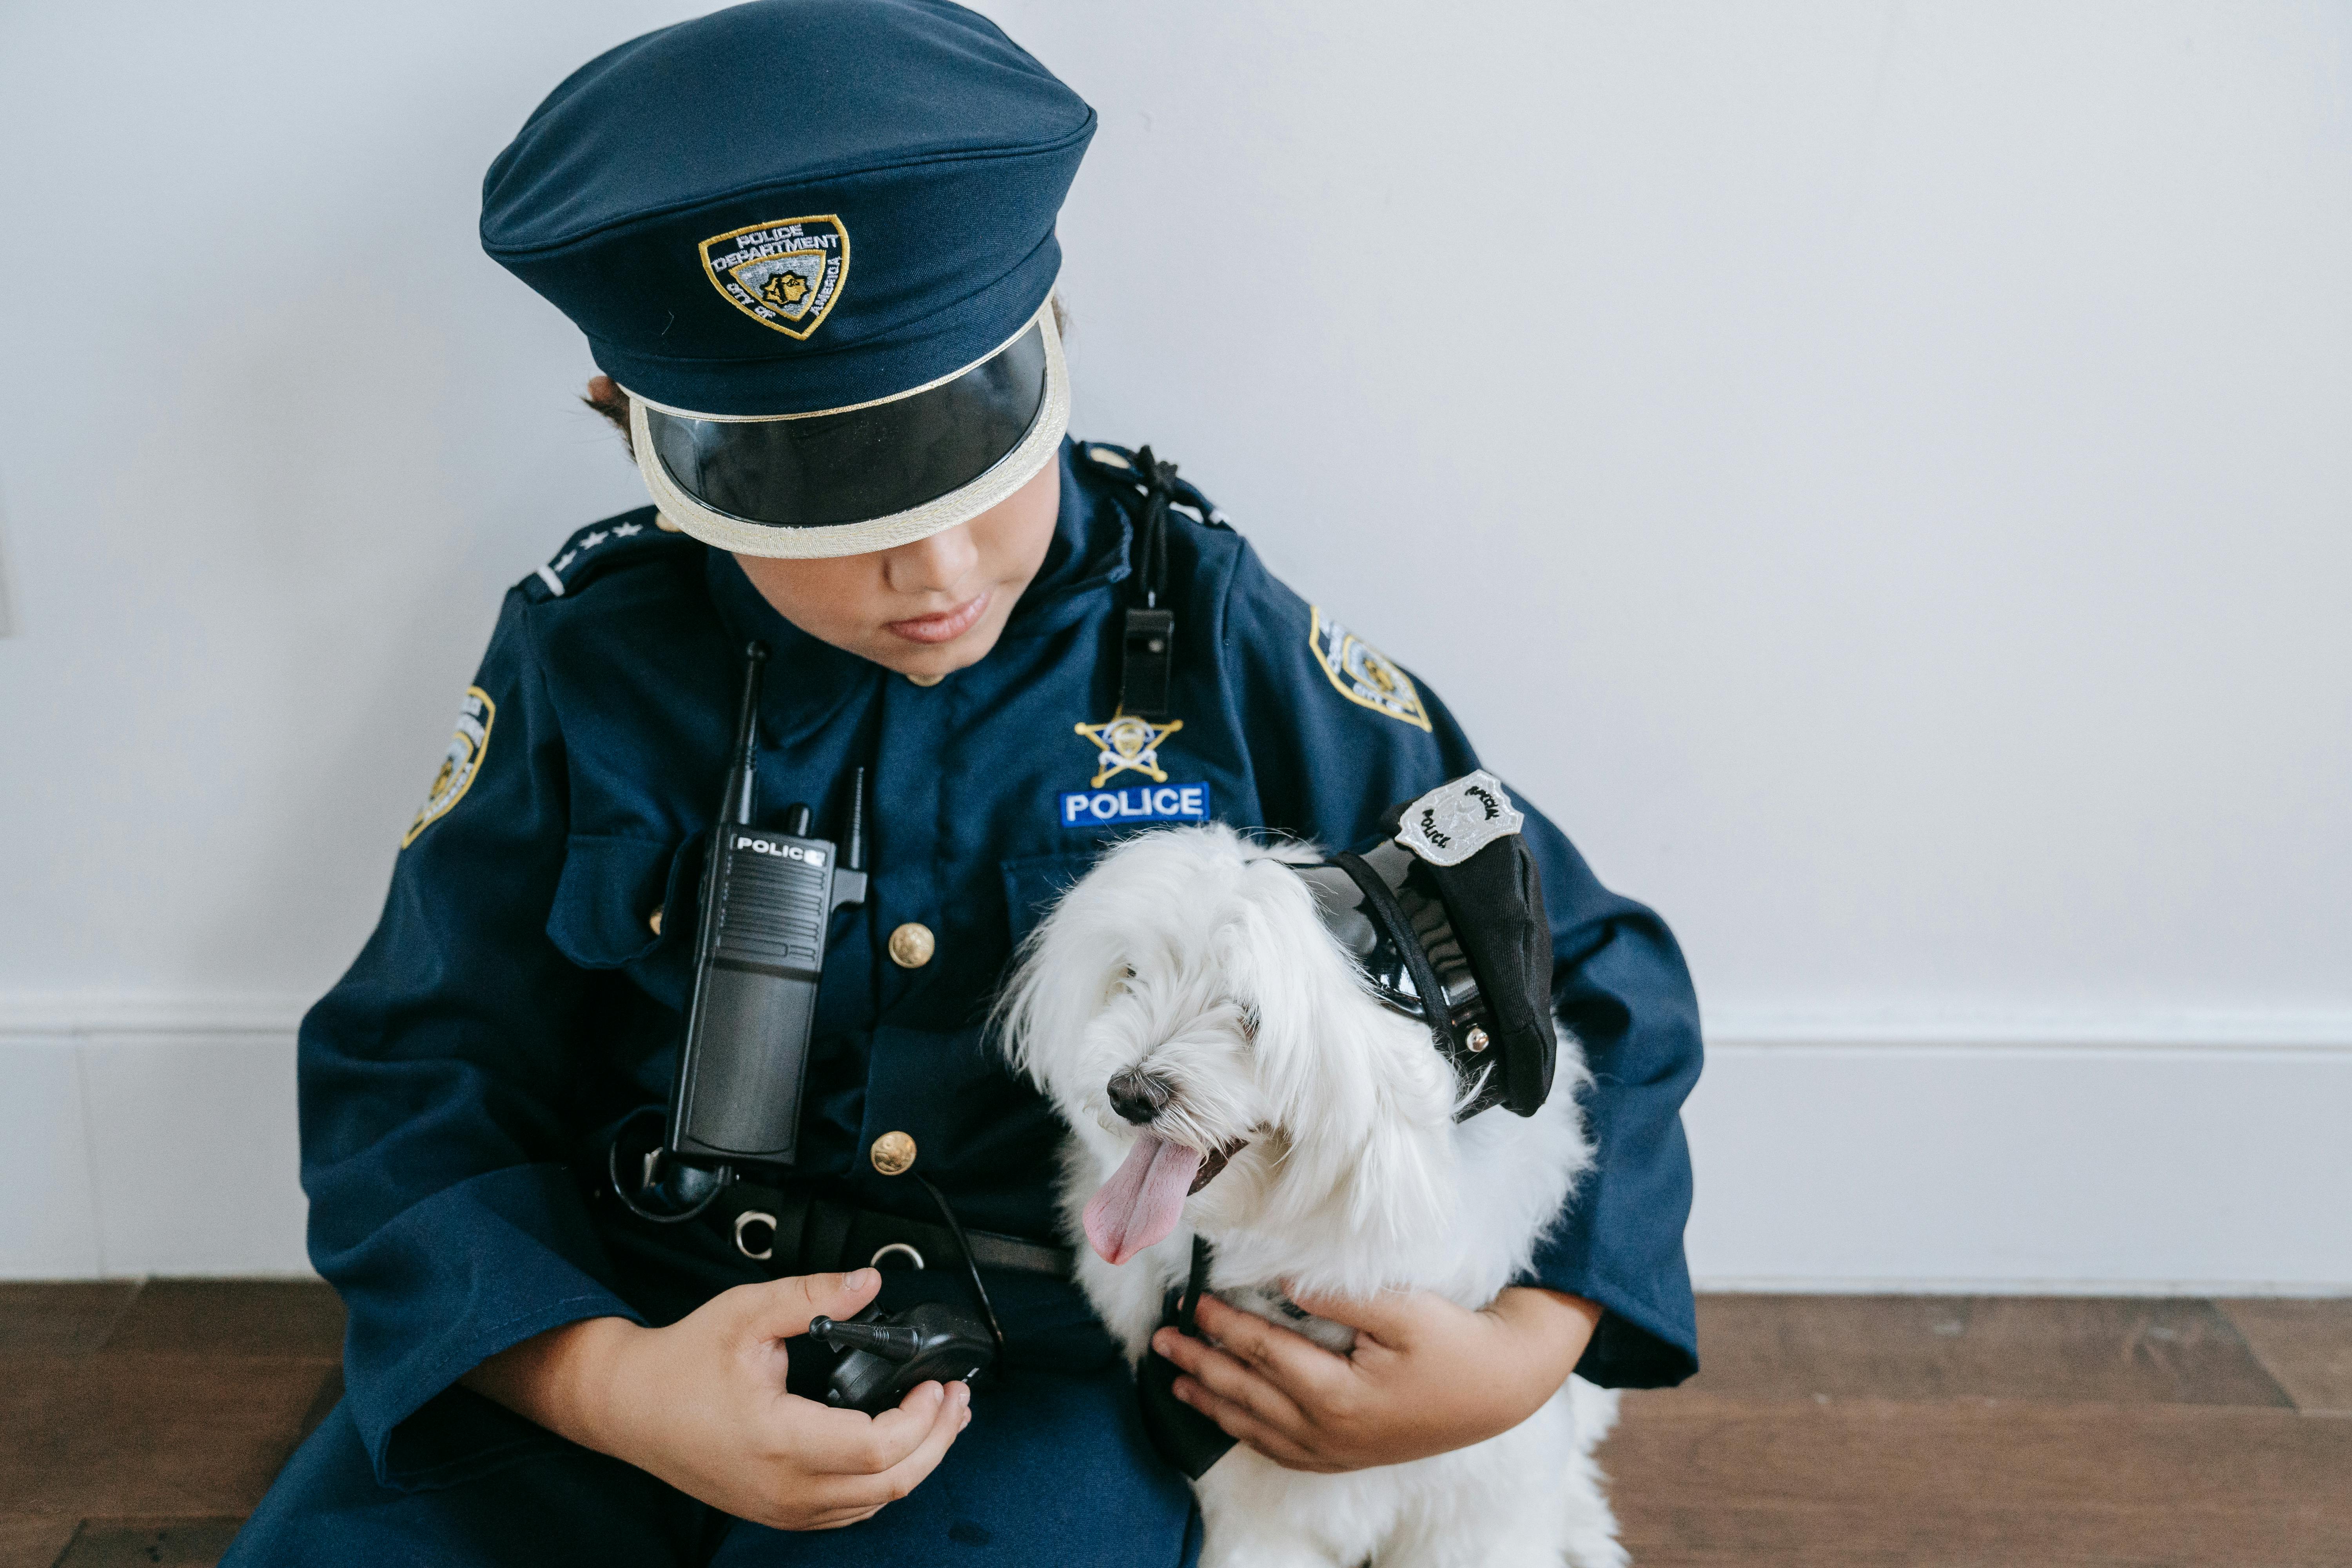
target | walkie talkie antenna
[
  {"x": 743, "y": 774},
  {"x": 853, "y": 843}
]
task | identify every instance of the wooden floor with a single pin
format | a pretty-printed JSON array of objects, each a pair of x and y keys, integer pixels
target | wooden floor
[
  {"x": 139, "y": 1422},
  {"x": 1969, "y": 1432}
]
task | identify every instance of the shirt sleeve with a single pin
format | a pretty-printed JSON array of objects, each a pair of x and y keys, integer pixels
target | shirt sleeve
[
  {"x": 432, "y": 1078},
  {"x": 1338, "y": 736}
]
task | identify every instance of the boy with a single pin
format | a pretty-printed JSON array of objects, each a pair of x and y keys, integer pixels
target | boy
[{"x": 810, "y": 242}]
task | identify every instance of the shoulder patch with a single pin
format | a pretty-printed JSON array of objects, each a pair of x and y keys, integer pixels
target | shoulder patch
[
  {"x": 460, "y": 764},
  {"x": 1363, "y": 673},
  {"x": 600, "y": 548}
]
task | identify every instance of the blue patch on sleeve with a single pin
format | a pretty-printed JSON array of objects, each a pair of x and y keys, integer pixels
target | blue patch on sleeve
[{"x": 1137, "y": 803}]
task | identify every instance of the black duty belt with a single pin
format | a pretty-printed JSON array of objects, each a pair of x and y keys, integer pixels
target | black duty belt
[{"x": 797, "y": 1232}]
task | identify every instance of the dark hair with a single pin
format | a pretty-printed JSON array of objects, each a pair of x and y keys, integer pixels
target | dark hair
[{"x": 616, "y": 407}]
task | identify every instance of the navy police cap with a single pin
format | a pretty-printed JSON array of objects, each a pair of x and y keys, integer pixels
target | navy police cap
[{"x": 813, "y": 240}]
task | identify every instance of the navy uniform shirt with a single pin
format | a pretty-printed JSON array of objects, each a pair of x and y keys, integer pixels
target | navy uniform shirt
[{"x": 516, "y": 1001}]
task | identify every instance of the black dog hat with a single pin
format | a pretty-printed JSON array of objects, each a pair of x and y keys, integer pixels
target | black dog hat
[{"x": 1446, "y": 919}]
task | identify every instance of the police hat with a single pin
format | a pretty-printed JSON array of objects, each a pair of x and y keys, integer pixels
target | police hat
[
  {"x": 814, "y": 241},
  {"x": 1445, "y": 918}
]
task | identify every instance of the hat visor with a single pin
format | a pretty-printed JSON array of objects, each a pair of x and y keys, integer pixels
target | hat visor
[{"x": 845, "y": 481}]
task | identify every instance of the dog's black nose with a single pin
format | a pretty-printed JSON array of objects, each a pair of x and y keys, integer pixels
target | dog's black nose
[{"x": 1139, "y": 1096}]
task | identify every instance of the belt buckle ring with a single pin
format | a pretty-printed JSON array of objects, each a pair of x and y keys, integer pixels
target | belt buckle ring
[
  {"x": 753, "y": 1216},
  {"x": 887, "y": 1248}
]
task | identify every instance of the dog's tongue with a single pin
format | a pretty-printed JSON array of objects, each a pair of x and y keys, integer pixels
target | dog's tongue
[{"x": 1142, "y": 1201}]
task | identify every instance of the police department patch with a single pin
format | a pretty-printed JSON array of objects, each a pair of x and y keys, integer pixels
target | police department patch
[
  {"x": 460, "y": 764},
  {"x": 1363, "y": 673},
  {"x": 785, "y": 275}
]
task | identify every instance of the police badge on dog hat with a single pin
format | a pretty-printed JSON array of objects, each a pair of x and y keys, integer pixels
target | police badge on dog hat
[{"x": 814, "y": 241}]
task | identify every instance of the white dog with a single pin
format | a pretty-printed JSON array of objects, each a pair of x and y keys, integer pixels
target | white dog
[{"x": 1308, "y": 1132}]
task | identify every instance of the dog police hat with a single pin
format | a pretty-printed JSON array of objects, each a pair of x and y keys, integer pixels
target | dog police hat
[
  {"x": 1445, "y": 918},
  {"x": 814, "y": 241}
]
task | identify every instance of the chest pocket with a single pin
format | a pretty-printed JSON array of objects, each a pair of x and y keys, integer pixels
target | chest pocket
[
  {"x": 610, "y": 890},
  {"x": 1032, "y": 886}
]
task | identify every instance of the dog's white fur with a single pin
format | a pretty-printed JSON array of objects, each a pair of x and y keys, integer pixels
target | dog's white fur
[{"x": 1197, "y": 955}]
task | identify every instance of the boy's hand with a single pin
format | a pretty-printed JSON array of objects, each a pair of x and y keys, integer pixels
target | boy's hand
[
  {"x": 701, "y": 1404},
  {"x": 1426, "y": 1376}
]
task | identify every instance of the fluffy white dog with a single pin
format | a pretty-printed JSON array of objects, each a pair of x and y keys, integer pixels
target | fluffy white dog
[{"x": 1226, "y": 1071}]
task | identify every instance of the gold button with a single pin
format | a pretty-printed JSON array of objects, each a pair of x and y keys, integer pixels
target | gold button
[
  {"x": 893, "y": 1153},
  {"x": 911, "y": 945},
  {"x": 655, "y": 921}
]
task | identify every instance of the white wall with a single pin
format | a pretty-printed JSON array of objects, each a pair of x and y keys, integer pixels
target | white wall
[{"x": 1878, "y": 473}]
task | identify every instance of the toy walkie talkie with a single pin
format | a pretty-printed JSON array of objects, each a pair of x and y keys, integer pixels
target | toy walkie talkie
[{"x": 767, "y": 897}]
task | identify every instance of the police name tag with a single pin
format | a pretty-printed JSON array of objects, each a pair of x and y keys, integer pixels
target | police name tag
[{"x": 1137, "y": 803}]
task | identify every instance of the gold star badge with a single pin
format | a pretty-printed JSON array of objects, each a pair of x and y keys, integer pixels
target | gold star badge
[{"x": 1128, "y": 743}]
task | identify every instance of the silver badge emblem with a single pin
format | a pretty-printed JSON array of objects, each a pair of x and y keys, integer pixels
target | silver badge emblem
[{"x": 1457, "y": 819}]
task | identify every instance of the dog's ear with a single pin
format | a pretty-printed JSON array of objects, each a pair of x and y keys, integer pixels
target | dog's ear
[
  {"x": 1059, "y": 984},
  {"x": 1366, "y": 1099},
  {"x": 1128, "y": 911}
]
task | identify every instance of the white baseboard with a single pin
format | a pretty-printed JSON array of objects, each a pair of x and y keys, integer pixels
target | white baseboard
[
  {"x": 2174, "y": 1155},
  {"x": 153, "y": 1151},
  {"x": 53, "y": 1015},
  {"x": 2053, "y": 1167}
]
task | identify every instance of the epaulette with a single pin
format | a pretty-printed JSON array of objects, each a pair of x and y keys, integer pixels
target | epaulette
[
  {"x": 600, "y": 548},
  {"x": 1118, "y": 463}
]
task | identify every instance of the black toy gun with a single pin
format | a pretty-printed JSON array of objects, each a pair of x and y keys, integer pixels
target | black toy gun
[{"x": 886, "y": 1354}]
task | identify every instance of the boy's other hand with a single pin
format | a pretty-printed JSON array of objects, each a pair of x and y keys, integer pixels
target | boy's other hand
[
  {"x": 701, "y": 1404},
  {"x": 1425, "y": 1377}
]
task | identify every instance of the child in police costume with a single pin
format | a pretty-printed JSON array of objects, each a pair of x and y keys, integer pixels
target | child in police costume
[{"x": 812, "y": 244}]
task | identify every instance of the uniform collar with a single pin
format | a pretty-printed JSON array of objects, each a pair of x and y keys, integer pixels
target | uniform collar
[
  {"x": 1088, "y": 556},
  {"x": 745, "y": 615}
]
